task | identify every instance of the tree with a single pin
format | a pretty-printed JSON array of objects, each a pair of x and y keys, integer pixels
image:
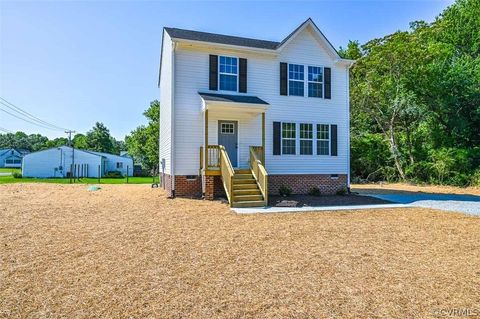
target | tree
[
  {"x": 80, "y": 141},
  {"x": 98, "y": 139},
  {"x": 143, "y": 143}
]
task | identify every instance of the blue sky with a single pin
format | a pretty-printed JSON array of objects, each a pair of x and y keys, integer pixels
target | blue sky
[{"x": 73, "y": 63}]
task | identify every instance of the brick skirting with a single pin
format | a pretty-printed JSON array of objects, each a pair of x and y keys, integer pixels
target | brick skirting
[
  {"x": 192, "y": 186},
  {"x": 301, "y": 184}
]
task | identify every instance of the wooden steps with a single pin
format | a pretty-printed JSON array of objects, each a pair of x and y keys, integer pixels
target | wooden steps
[{"x": 245, "y": 190}]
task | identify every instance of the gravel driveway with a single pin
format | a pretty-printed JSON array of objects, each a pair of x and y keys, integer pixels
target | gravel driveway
[{"x": 468, "y": 204}]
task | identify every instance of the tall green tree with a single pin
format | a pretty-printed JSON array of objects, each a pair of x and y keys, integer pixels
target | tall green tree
[
  {"x": 99, "y": 139},
  {"x": 143, "y": 142}
]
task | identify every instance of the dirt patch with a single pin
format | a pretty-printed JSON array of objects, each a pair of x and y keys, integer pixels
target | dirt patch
[
  {"x": 332, "y": 200},
  {"x": 127, "y": 251}
]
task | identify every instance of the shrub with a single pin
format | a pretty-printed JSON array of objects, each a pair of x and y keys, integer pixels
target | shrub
[
  {"x": 341, "y": 191},
  {"x": 17, "y": 175},
  {"x": 285, "y": 191},
  {"x": 113, "y": 174},
  {"x": 475, "y": 180},
  {"x": 314, "y": 191}
]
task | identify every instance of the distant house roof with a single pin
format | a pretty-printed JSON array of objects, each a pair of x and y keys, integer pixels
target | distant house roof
[
  {"x": 221, "y": 38},
  {"x": 248, "y": 99}
]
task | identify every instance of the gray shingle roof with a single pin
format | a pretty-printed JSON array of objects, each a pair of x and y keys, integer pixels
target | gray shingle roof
[
  {"x": 214, "y": 97},
  {"x": 220, "y": 38}
]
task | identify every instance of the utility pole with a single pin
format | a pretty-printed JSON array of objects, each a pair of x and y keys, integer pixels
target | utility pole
[{"x": 69, "y": 132}]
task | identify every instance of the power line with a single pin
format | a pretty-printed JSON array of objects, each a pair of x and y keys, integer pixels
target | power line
[
  {"x": 34, "y": 123},
  {"x": 30, "y": 116},
  {"x": 5, "y": 130}
]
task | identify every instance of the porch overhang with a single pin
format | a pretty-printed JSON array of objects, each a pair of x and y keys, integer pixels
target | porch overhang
[{"x": 230, "y": 102}]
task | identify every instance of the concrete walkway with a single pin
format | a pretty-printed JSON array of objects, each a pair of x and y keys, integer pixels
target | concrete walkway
[
  {"x": 467, "y": 204},
  {"x": 265, "y": 210}
]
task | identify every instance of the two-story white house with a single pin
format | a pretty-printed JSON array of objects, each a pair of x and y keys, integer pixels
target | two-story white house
[{"x": 244, "y": 117}]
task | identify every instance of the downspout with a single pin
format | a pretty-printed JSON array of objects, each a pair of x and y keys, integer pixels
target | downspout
[
  {"x": 172, "y": 105},
  {"x": 347, "y": 76}
]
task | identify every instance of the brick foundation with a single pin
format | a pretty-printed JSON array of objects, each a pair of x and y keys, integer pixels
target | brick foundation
[
  {"x": 184, "y": 187},
  {"x": 214, "y": 187},
  {"x": 192, "y": 187},
  {"x": 301, "y": 184}
]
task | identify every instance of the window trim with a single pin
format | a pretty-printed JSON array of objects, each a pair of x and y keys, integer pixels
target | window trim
[
  {"x": 322, "y": 83},
  {"x": 329, "y": 139},
  {"x": 300, "y": 139},
  {"x": 224, "y": 73},
  {"x": 305, "y": 80},
  {"x": 295, "y": 80},
  {"x": 288, "y": 138}
]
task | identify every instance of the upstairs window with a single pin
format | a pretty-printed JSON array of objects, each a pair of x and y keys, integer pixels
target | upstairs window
[
  {"x": 228, "y": 73},
  {"x": 323, "y": 139},
  {"x": 296, "y": 79},
  {"x": 288, "y": 138},
  {"x": 306, "y": 139},
  {"x": 315, "y": 81}
]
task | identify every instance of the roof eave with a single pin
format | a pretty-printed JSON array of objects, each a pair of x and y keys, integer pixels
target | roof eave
[{"x": 227, "y": 46}]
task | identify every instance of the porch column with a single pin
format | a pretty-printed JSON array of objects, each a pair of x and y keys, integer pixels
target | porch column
[
  {"x": 263, "y": 138},
  {"x": 206, "y": 142}
]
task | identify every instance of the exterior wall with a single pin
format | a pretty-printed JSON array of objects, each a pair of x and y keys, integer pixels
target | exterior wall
[
  {"x": 191, "y": 76},
  {"x": 249, "y": 132},
  {"x": 111, "y": 161},
  {"x": 55, "y": 162},
  {"x": 166, "y": 76},
  {"x": 301, "y": 184},
  {"x": 167, "y": 184},
  {"x": 7, "y": 154},
  {"x": 188, "y": 187}
]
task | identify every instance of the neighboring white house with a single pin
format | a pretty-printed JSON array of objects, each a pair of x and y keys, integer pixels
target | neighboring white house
[
  {"x": 11, "y": 157},
  {"x": 246, "y": 116},
  {"x": 61, "y": 161}
]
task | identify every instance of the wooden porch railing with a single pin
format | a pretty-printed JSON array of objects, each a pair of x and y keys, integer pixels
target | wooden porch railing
[
  {"x": 258, "y": 170},
  {"x": 213, "y": 157},
  {"x": 227, "y": 172}
]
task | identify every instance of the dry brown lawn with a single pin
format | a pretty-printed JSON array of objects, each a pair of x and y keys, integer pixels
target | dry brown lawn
[{"x": 128, "y": 252}]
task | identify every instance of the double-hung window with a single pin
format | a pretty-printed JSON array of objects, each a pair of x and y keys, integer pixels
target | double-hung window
[
  {"x": 323, "y": 139},
  {"x": 306, "y": 139},
  {"x": 296, "y": 79},
  {"x": 288, "y": 138},
  {"x": 228, "y": 73},
  {"x": 315, "y": 81}
]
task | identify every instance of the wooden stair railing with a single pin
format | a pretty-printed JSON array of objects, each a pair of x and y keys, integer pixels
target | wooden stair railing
[
  {"x": 227, "y": 173},
  {"x": 258, "y": 170}
]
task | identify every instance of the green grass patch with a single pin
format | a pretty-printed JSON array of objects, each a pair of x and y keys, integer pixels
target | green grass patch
[
  {"x": 131, "y": 180},
  {"x": 9, "y": 170}
]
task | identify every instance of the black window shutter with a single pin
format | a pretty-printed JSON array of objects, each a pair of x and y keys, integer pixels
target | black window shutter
[
  {"x": 283, "y": 78},
  {"x": 276, "y": 138},
  {"x": 328, "y": 83},
  {"x": 242, "y": 85},
  {"x": 333, "y": 132},
  {"x": 213, "y": 81}
]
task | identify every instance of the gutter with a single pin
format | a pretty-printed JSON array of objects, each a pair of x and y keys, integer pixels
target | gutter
[{"x": 172, "y": 105}]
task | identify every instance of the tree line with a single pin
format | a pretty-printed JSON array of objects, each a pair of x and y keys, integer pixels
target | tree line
[
  {"x": 415, "y": 101},
  {"x": 97, "y": 139},
  {"x": 141, "y": 143}
]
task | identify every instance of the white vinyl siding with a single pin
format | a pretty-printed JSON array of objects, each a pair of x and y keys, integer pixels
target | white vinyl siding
[
  {"x": 192, "y": 75},
  {"x": 166, "y": 105}
]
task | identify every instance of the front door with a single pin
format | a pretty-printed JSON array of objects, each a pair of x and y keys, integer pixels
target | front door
[{"x": 227, "y": 136}]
